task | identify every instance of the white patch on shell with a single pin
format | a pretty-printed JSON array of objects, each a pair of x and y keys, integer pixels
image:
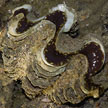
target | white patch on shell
[
  {"x": 43, "y": 58},
  {"x": 25, "y": 6},
  {"x": 39, "y": 19}
]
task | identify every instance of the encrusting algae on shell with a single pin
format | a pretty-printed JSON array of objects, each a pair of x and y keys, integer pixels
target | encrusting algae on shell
[{"x": 30, "y": 54}]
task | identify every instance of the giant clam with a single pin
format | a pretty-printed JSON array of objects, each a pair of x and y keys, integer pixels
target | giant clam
[{"x": 30, "y": 54}]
